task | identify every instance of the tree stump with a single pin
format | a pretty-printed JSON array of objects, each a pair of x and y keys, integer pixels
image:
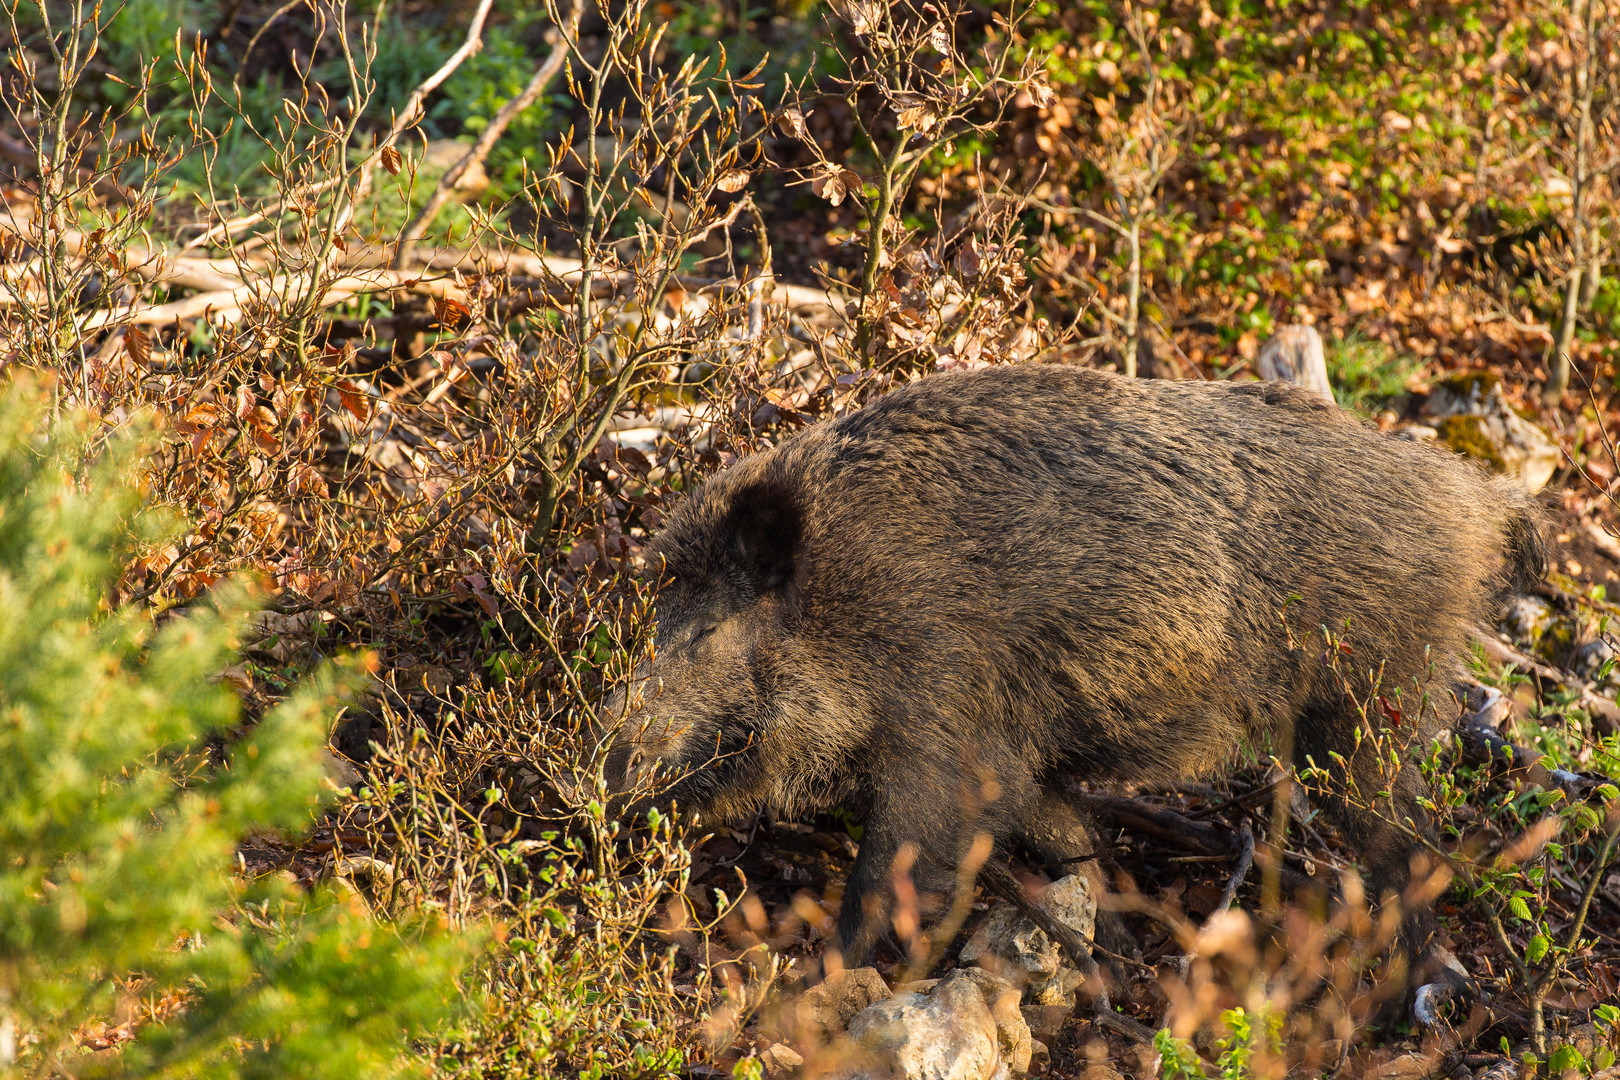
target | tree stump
[{"x": 1294, "y": 354}]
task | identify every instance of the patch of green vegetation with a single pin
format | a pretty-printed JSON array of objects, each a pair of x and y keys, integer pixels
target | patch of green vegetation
[
  {"x": 1606, "y": 304},
  {"x": 1469, "y": 384},
  {"x": 1368, "y": 375},
  {"x": 1467, "y": 436}
]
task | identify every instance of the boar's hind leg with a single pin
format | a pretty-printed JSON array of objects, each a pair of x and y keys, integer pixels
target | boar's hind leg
[
  {"x": 1063, "y": 837},
  {"x": 1387, "y": 849}
]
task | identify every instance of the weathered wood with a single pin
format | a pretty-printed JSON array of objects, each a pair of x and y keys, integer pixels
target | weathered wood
[{"x": 1295, "y": 354}]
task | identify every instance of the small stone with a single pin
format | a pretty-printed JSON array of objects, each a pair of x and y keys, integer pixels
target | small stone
[
  {"x": 1012, "y": 946},
  {"x": 966, "y": 1026},
  {"x": 1472, "y": 418},
  {"x": 1585, "y": 1038},
  {"x": 1590, "y": 658},
  {"x": 1100, "y": 1070},
  {"x": 780, "y": 1059},
  {"x": 1527, "y": 618},
  {"x": 1407, "y": 1067},
  {"x": 1046, "y": 1021},
  {"x": 828, "y": 1007}
]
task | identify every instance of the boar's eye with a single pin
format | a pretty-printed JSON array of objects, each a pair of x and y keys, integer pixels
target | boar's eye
[{"x": 701, "y": 634}]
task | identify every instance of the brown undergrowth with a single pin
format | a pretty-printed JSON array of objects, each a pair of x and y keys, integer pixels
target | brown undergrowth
[{"x": 450, "y": 453}]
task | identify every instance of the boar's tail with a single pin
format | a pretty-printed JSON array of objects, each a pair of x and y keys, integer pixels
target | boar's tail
[{"x": 1526, "y": 548}]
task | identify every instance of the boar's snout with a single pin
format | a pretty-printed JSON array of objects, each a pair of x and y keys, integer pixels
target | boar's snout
[{"x": 636, "y": 739}]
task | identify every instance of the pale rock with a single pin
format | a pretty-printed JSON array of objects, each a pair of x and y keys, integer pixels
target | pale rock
[
  {"x": 828, "y": 1007},
  {"x": 1590, "y": 658},
  {"x": 1419, "y": 433},
  {"x": 1474, "y": 419},
  {"x": 1527, "y": 618},
  {"x": 780, "y": 1059},
  {"x": 1013, "y": 947},
  {"x": 1407, "y": 1067},
  {"x": 965, "y": 1026}
]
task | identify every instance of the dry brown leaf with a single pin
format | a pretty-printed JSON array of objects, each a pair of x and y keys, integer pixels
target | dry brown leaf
[
  {"x": 391, "y": 160},
  {"x": 863, "y": 16},
  {"x": 791, "y": 121},
  {"x": 733, "y": 180},
  {"x": 450, "y": 312},
  {"x": 919, "y": 118},
  {"x": 138, "y": 344},
  {"x": 967, "y": 259},
  {"x": 353, "y": 399},
  {"x": 834, "y": 184},
  {"x": 1041, "y": 95}
]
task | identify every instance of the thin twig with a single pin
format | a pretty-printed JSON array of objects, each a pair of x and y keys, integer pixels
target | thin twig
[
  {"x": 487, "y": 139},
  {"x": 1003, "y": 884},
  {"x": 1245, "y": 861}
]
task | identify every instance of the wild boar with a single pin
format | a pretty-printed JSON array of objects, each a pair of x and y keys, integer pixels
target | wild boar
[{"x": 943, "y": 606}]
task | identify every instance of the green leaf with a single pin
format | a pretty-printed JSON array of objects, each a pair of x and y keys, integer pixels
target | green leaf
[
  {"x": 1566, "y": 1058},
  {"x": 1519, "y": 908},
  {"x": 1537, "y": 948}
]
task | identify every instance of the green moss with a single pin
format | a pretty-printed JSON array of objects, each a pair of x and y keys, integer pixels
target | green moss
[
  {"x": 1467, "y": 384},
  {"x": 1467, "y": 435}
]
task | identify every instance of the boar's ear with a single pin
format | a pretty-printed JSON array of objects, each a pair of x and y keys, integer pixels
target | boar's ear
[{"x": 765, "y": 526}]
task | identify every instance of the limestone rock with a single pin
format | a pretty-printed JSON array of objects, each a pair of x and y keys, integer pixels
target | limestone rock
[
  {"x": 780, "y": 1059},
  {"x": 1294, "y": 354},
  {"x": 1472, "y": 417},
  {"x": 829, "y": 1006},
  {"x": 965, "y": 1026},
  {"x": 1407, "y": 1067},
  {"x": 1527, "y": 618},
  {"x": 1016, "y": 949}
]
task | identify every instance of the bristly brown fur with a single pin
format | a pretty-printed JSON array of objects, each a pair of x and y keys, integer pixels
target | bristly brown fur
[{"x": 982, "y": 585}]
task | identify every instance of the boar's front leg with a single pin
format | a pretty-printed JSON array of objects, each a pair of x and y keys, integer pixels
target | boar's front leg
[
  {"x": 864, "y": 913},
  {"x": 922, "y": 834}
]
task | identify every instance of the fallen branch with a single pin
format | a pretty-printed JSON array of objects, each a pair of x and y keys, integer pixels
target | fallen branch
[
  {"x": 225, "y": 305},
  {"x": 1165, "y": 824},
  {"x": 1481, "y": 729},
  {"x": 1605, "y": 713},
  {"x": 1160, "y": 822},
  {"x": 486, "y": 140},
  {"x": 1235, "y": 882},
  {"x": 409, "y": 115}
]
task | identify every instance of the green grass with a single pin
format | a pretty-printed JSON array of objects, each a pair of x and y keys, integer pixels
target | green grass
[{"x": 1368, "y": 375}]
